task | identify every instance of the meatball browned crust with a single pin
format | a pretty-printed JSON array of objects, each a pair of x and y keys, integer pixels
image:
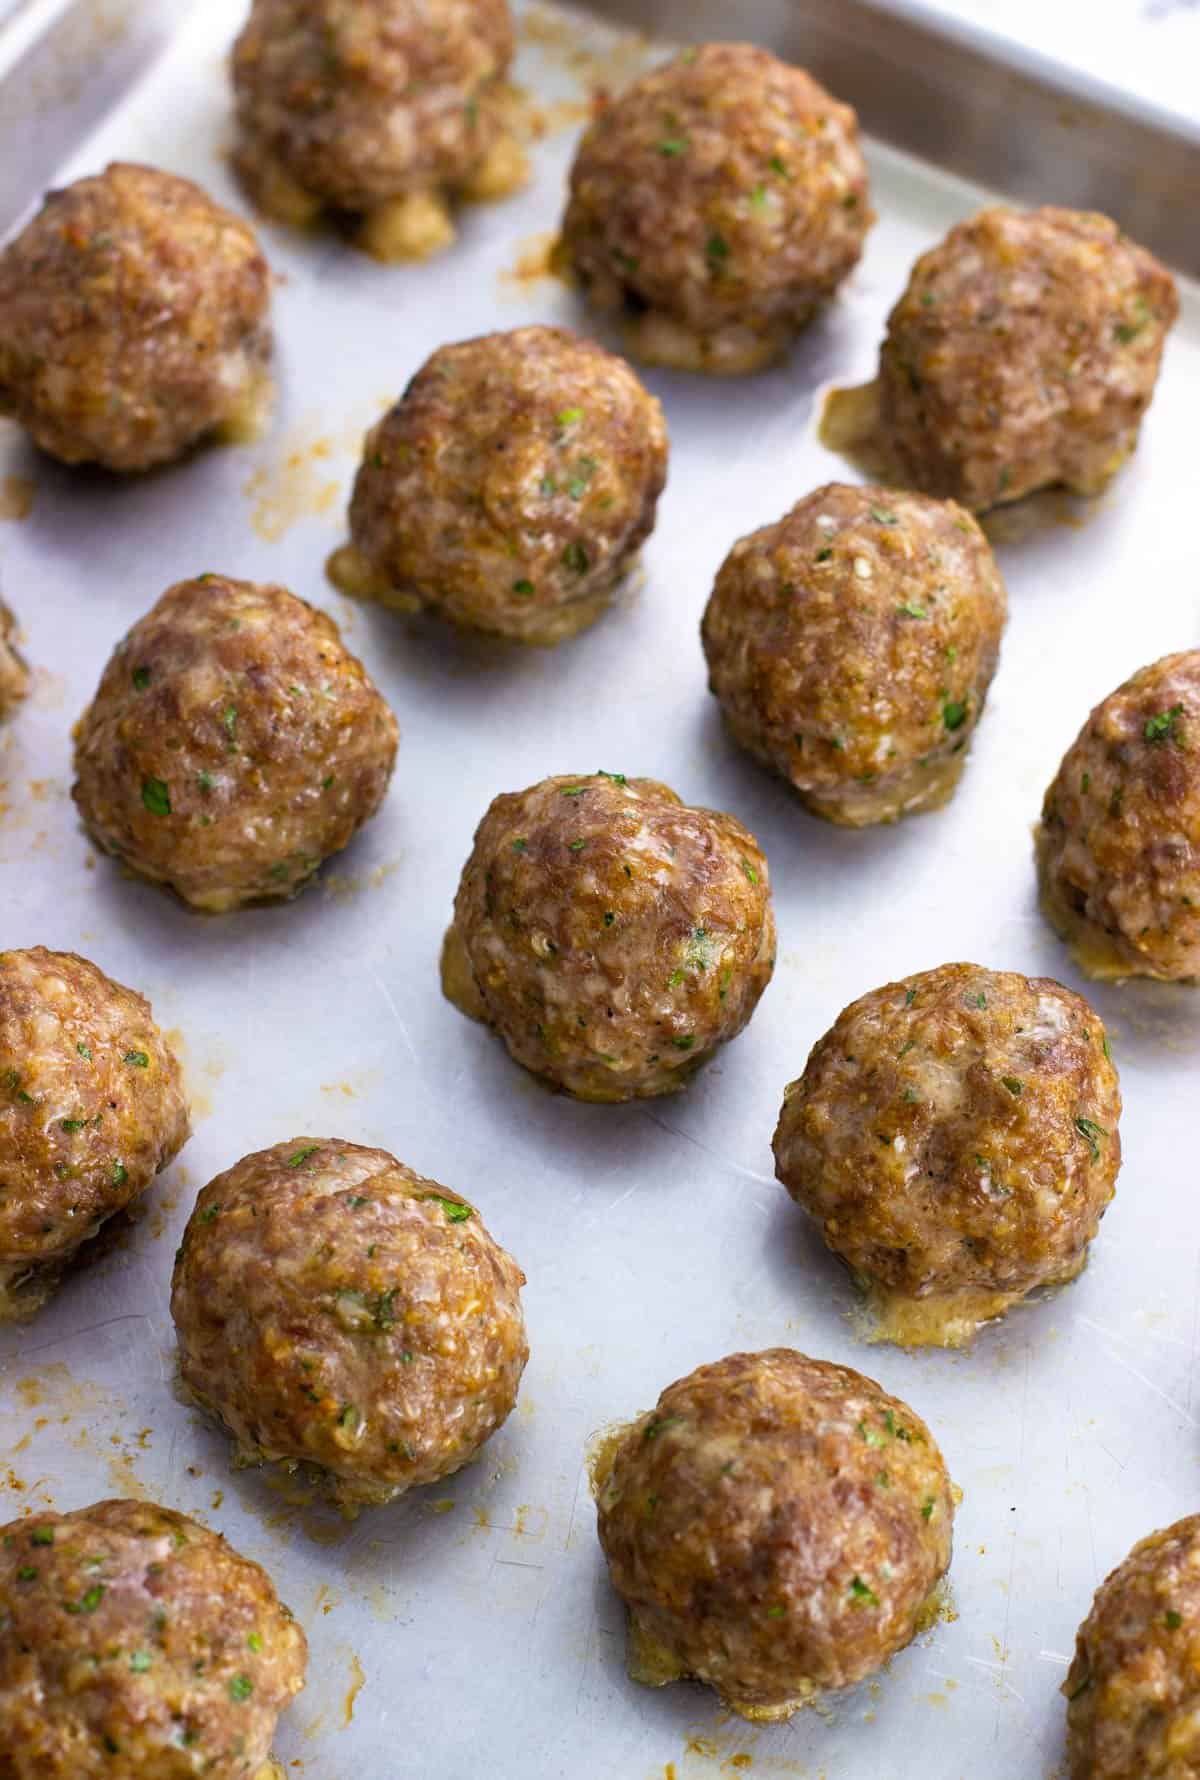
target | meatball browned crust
[
  {"x": 776, "y": 1526},
  {"x": 137, "y": 1645},
  {"x": 133, "y": 321},
  {"x": 336, "y": 1309},
  {"x": 954, "y": 1136},
  {"x": 233, "y": 744},
  {"x": 510, "y": 487},
  {"x": 1022, "y": 355},
  {"x": 14, "y": 674},
  {"x": 1118, "y": 849},
  {"x": 852, "y": 644},
  {"x": 91, "y": 1109},
  {"x": 614, "y": 936}
]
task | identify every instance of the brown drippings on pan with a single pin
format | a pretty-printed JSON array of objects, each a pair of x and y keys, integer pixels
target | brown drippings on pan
[
  {"x": 358, "y": 1680},
  {"x": 849, "y": 425},
  {"x": 601, "y": 63},
  {"x": 292, "y": 489},
  {"x": 534, "y": 264},
  {"x": 16, "y": 497}
]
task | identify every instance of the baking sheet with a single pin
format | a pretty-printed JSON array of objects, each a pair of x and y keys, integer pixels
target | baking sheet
[{"x": 471, "y": 1628}]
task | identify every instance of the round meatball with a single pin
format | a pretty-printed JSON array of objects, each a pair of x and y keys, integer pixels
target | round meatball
[
  {"x": 717, "y": 202},
  {"x": 137, "y": 1645},
  {"x": 91, "y": 1109},
  {"x": 852, "y": 644},
  {"x": 954, "y": 1136},
  {"x": 614, "y": 936},
  {"x": 1118, "y": 849},
  {"x": 14, "y": 674},
  {"x": 133, "y": 321},
  {"x": 336, "y": 1309},
  {"x": 232, "y": 745},
  {"x": 510, "y": 487},
  {"x": 1023, "y": 355},
  {"x": 776, "y": 1526}
]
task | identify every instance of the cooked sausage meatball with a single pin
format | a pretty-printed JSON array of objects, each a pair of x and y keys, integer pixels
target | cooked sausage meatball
[
  {"x": 14, "y": 674},
  {"x": 614, "y": 936},
  {"x": 510, "y": 487},
  {"x": 233, "y": 744},
  {"x": 776, "y": 1526},
  {"x": 91, "y": 1109},
  {"x": 385, "y": 108},
  {"x": 1118, "y": 848},
  {"x": 717, "y": 202},
  {"x": 954, "y": 1135},
  {"x": 336, "y": 1309},
  {"x": 1133, "y": 1690},
  {"x": 137, "y": 1645},
  {"x": 852, "y": 644},
  {"x": 1022, "y": 355},
  {"x": 133, "y": 321}
]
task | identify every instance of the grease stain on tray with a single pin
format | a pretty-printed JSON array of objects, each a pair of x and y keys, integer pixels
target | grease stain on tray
[
  {"x": 599, "y": 58},
  {"x": 17, "y": 495},
  {"x": 358, "y": 1680},
  {"x": 292, "y": 488},
  {"x": 533, "y": 265}
]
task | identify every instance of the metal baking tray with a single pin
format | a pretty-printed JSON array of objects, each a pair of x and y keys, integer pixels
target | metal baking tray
[{"x": 471, "y": 1627}]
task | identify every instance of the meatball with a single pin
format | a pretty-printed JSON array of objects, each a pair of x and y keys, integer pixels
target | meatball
[
  {"x": 1022, "y": 355},
  {"x": 718, "y": 202},
  {"x": 91, "y": 1109},
  {"x": 133, "y": 321},
  {"x": 614, "y": 936},
  {"x": 233, "y": 744},
  {"x": 851, "y": 645},
  {"x": 954, "y": 1136},
  {"x": 14, "y": 674},
  {"x": 1118, "y": 849},
  {"x": 386, "y": 109},
  {"x": 510, "y": 487},
  {"x": 336, "y": 1309},
  {"x": 776, "y": 1526},
  {"x": 137, "y": 1645}
]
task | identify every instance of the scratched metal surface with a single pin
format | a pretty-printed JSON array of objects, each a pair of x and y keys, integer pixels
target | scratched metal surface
[{"x": 472, "y": 1624}]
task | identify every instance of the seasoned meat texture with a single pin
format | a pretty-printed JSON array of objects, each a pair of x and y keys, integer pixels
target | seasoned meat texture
[
  {"x": 133, "y": 321},
  {"x": 776, "y": 1526},
  {"x": 334, "y": 1308},
  {"x": 137, "y": 1645},
  {"x": 852, "y": 644},
  {"x": 91, "y": 1109},
  {"x": 1133, "y": 1690},
  {"x": 511, "y": 486},
  {"x": 614, "y": 936},
  {"x": 233, "y": 744},
  {"x": 14, "y": 674},
  {"x": 1118, "y": 849},
  {"x": 954, "y": 1135},
  {"x": 718, "y": 201},
  {"x": 1023, "y": 354}
]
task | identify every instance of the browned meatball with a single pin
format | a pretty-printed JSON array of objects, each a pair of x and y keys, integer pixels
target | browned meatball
[
  {"x": 510, "y": 487},
  {"x": 14, "y": 674},
  {"x": 133, "y": 321},
  {"x": 614, "y": 936},
  {"x": 91, "y": 1109},
  {"x": 1023, "y": 354},
  {"x": 776, "y": 1526},
  {"x": 335, "y": 1309},
  {"x": 718, "y": 202},
  {"x": 852, "y": 644},
  {"x": 954, "y": 1136},
  {"x": 1118, "y": 849},
  {"x": 233, "y": 744},
  {"x": 1133, "y": 1690},
  {"x": 137, "y": 1645}
]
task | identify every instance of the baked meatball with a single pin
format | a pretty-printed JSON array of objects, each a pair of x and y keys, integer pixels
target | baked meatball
[
  {"x": 14, "y": 674},
  {"x": 137, "y": 1645},
  {"x": 776, "y": 1526},
  {"x": 717, "y": 203},
  {"x": 614, "y": 936},
  {"x": 1022, "y": 355},
  {"x": 233, "y": 744},
  {"x": 91, "y": 1109},
  {"x": 1118, "y": 849},
  {"x": 336, "y": 1309},
  {"x": 386, "y": 109},
  {"x": 133, "y": 321},
  {"x": 954, "y": 1136},
  {"x": 852, "y": 644},
  {"x": 510, "y": 487}
]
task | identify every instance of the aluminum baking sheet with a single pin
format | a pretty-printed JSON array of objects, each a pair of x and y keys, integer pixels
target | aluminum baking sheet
[{"x": 470, "y": 1629}]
